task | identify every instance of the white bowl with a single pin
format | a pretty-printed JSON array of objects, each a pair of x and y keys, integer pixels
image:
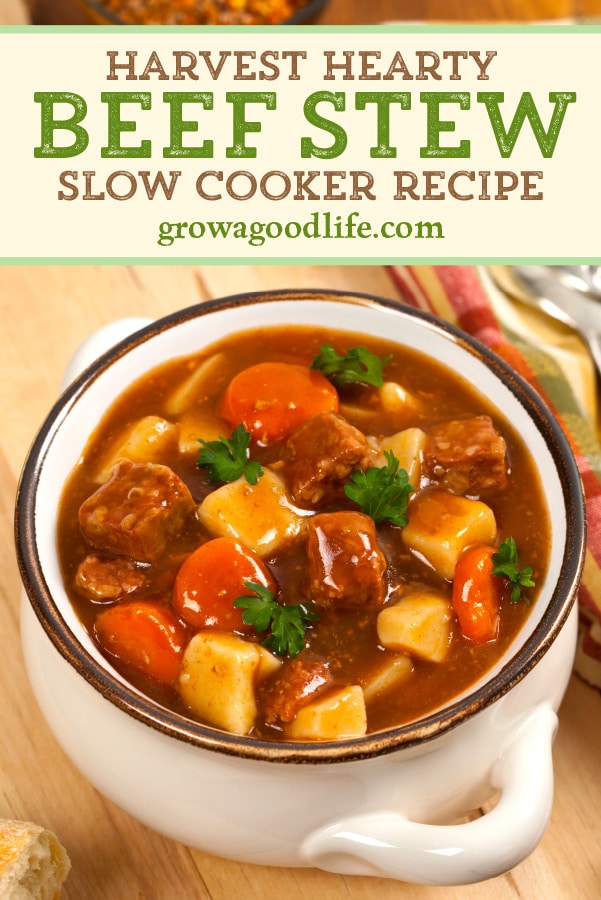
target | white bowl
[{"x": 384, "y": 804}]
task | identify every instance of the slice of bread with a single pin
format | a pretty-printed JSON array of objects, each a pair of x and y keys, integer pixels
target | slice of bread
[{"x": 33, "y": 863}]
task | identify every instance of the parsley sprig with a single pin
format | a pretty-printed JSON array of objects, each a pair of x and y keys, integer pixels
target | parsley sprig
[
  {"x": 286, "y": 623},
  {"x": 228, "y": 459},
  {"x": 357, "y": 366},
  {"x": 382, "y": 492},
  {"x": 506, "y": 565}
]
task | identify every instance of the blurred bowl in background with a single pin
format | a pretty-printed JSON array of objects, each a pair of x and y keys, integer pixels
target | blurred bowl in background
[{"x": 100, "y": 14}]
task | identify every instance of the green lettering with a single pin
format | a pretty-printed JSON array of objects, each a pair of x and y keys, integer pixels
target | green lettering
[
  {"x": 241, "y": 127},
  {"x": 436, "y": 125},
  {"x": 50, "y": 124},
  {"x": 117, "y": 125},
  {"x": 546, "y": 140},
  {"x": 308, "y": 147},
  {"x": 180, "y": 125},
  {"x": 383, "y": 102}
]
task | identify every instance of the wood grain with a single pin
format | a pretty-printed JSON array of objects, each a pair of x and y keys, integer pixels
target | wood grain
[{"x": 45, "y": 313}]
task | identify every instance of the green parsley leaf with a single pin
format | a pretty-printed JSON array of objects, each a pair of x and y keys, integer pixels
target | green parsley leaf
[
  {"x": 382, "y": 492},
  {"x": 358, "y": 366},
  {"x": 228, "y": 459},
  {"x": 287, "y": 623},
  {"x": 506, "y": 565}
]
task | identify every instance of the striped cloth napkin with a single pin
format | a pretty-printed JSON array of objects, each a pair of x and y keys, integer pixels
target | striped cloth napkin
[{"x": 552, "y": 358}]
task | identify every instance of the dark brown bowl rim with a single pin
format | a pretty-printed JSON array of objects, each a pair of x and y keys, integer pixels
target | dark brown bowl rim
[
  {"x": 305, "y": 14},
  {"x": 426, "y": 729}
]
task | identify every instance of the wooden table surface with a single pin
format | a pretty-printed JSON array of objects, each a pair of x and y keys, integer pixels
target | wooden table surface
[{"x": 45, "y": 313}]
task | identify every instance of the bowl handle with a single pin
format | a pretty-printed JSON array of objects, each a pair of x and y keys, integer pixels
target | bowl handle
[
  {"x": 386, "y": 844},
  {"x": 99, "y": 342}
]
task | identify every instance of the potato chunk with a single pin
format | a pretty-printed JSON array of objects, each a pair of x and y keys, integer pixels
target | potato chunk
[
  {"x": 441, "y": 525},
  {"x": 397, "y": 399},
  {"x": 199, "y": 423},
  {"x": 395, "y": 669},
  {"x": 217, "y": 679},
  {"x": 198, "y": 386},
  {"x": 399, "y": 404},
  {"x": 339, "y": 714},
  {"x": 419, "y": 624},
  {"x": 260, "y": 515},
  {"x": 408, "y": 447},
  {"x": 144, "y": 441}
]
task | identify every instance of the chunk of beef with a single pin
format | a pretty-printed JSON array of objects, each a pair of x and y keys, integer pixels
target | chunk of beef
[
  {"x": 467, "y": 455},
  {"x": 321, "y": 454},
  {"x": 346, "y": 565},
  {"x": 108, "y": 578},
  {"x": 294, "y": 685},
  {"x": 137, "y": 512}
]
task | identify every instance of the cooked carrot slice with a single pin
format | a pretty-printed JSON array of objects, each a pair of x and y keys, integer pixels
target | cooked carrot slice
[
  {"x": 272, "y": 398},
  {"x": 477, "y": 594},
  {"x": 143, "y": 634},
  {"x": 211, "y": 578}
]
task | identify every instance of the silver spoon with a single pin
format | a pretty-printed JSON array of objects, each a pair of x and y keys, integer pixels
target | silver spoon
[
  {"x": 583, "y": 278},
  {"x": 548, "y": 289}
]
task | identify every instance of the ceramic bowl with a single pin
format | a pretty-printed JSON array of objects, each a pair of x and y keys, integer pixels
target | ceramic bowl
[
  {"x": 100, "y": 15},
  {"x": 385, "y": 804}
]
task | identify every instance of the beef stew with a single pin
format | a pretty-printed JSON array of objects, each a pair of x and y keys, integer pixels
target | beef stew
[{"x": 255, "y": 591}]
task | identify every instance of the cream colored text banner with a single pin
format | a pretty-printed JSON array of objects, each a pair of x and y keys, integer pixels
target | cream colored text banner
[{"x": 313, "y": 144}]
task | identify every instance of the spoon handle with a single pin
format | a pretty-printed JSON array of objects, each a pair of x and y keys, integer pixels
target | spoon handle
[
  {"x": 593, "y": 340},
  {"x": 568, "y": 305}
]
